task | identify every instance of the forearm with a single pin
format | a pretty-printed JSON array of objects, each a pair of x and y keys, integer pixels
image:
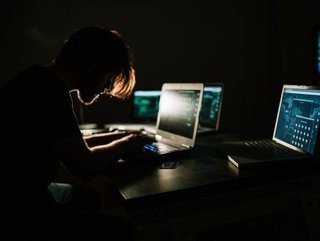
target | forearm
[
  {"x": 85, "y": 161},
  {"x": 103, "y": 138},
  {"x": 99, "y": 159}
]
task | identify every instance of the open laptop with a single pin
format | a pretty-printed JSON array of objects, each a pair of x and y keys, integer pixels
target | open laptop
[
  {"x": 145, "y": 106},
  {"x": 143, "y": 113},
  {"x": 177, "y": 121},
  {"x": 295, "y": 137},
  {"x": 211, "y": 107}
]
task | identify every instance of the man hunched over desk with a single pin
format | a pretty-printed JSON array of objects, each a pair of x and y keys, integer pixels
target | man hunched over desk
[{"x": 40, "y": 132}]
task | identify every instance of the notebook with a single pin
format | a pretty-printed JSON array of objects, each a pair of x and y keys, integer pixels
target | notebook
[
  {"x": 177, "y": 121},
  {"x": 143, "y": 113},
  {"x": 295, "y": 137},
  {"x": 211, "y": 107}
]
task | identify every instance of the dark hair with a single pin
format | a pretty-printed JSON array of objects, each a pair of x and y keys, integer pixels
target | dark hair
[{"x": 101, "y": 50}]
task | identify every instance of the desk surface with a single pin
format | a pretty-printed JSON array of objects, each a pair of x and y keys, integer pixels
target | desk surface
[{"x": 203, "y": 171}]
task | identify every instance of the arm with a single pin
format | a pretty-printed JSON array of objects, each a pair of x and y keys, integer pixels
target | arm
[
  {"x": 86, "y": 162},
  {"x": 103, "y": 138}
]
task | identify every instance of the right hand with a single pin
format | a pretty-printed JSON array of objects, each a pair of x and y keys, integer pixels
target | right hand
[{"x": 136, "y": 141}]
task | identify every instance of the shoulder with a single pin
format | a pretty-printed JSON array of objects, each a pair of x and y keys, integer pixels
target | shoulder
[{"x": 32, "y": 79}]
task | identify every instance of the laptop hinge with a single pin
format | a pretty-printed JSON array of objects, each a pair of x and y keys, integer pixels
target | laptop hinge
[{"x": 184, "y": 145}]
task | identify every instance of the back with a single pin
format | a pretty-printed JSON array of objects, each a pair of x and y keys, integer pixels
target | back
[{"x": 27, "y": 124}]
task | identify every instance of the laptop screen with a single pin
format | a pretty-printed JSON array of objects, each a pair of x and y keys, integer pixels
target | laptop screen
[
  {"x": 145, "y": 105},
  {"x": 299, "y": 117},
  {"x": 179, "y": 111},
  {"x": 211, "y": 105}
]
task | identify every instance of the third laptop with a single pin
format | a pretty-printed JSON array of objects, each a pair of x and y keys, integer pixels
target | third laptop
[
  {"x": 295, "y": 136},
  {"x": 211, "y": 107}
]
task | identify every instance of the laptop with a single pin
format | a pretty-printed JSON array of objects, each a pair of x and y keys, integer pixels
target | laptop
[
  {"x": 211, "y": 107},
  {"x": 295, "y": 137},
  {"x": 145, "y": 106},
  {"x": 177, "y": 121},
  {"x": 144, "y": 110}
]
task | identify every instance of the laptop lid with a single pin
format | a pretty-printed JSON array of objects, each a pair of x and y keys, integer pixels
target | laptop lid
[
  {"x": 211, "y": 105},
  {"x": 298, "y": 118},
  {"x": 296, "y": 127},
  {"x": 145, "y": 105},
  {"x": 179, "y": 110}
]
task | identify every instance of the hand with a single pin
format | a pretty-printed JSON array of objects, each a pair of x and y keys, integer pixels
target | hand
[{"x": 136, "y": 141}]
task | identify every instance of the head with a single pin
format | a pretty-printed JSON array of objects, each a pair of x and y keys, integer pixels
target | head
[{"x": 103, "y": 61}]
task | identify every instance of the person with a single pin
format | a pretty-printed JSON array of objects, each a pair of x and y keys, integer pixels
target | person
[{"x": 40, "y": 133}]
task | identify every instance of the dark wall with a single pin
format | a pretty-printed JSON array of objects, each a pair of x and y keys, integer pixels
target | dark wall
[{"x": 252, "y": 46}]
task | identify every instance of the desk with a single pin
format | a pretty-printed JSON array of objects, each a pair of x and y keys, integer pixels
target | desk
[{"x": 207, "y": 198}]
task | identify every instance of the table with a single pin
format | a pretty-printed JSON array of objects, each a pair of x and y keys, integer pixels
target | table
[{"x": 207, "y": 198}]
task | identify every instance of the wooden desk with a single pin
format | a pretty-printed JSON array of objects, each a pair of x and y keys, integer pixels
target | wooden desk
[{"x": 207, "y": 198}]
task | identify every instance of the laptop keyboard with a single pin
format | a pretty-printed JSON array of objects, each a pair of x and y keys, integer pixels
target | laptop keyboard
[
  {"x": 269, "y": 148},
  {"x": 158, "y": 148}
]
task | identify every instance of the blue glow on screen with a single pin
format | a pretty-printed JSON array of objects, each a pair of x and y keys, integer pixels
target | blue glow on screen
[{"x": 299, "y": 118}]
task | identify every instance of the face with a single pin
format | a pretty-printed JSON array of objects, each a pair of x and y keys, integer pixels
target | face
[{"x": 91, "y": 87}]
